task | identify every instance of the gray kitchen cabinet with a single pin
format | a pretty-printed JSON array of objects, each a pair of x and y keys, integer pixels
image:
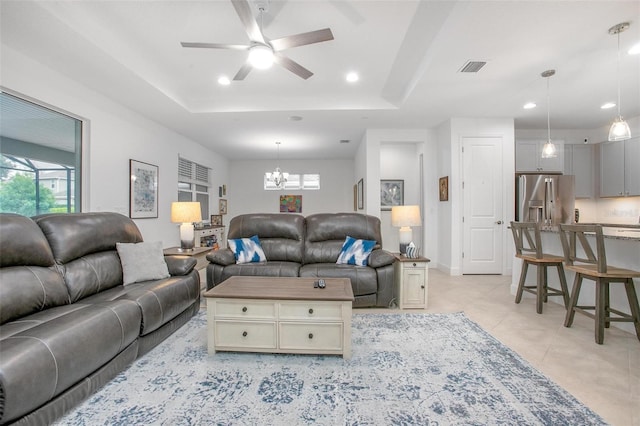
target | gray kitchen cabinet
[
  {"x": 529, "y": 157},
  {"x": 619, "y": 174},
  {"x": 578, "y": 161}
]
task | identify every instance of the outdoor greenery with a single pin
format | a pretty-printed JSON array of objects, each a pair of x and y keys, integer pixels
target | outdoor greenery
[{"x": 18, "y": 195}]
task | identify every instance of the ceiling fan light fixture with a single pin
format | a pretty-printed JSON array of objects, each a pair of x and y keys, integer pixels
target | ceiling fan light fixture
[{"x": 261, "y": 56}]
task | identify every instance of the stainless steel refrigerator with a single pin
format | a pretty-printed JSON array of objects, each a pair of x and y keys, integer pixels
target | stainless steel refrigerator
[{"x": 549, "y": 199}]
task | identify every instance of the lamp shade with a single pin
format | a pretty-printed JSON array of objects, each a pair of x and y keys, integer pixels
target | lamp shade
[
  {"x": 186, "y": 212},
  {"x": 405, "y": 216}
]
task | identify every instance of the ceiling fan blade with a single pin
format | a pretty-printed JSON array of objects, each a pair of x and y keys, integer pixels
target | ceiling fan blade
[
  {"x": 292, "y": 66},
  {"x": 215, "y": 45},
  {"x": 302, "y": 39},
  {"x": 243, "y": 9},
  {"x": 243, "y": 71}
]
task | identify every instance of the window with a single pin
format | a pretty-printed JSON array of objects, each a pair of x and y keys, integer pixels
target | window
[
  {"x": 40, "y": 158},
  {"x": 193, "y": 184},
  {"x": 295, "y": 181}
]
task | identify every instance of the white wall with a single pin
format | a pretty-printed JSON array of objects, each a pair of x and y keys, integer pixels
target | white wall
[
  {"x": 116, "y": 134},
  {"x": 246, "y": 193}
]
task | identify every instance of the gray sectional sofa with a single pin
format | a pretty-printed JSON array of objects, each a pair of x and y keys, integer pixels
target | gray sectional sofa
[
  {"x": 68, "y": 324},
  {"x": 295, "y": 245}
]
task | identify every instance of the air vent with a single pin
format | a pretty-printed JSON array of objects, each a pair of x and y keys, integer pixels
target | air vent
[{"x": 473, "y": 66}]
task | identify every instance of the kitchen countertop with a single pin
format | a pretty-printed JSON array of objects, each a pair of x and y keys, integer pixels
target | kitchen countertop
[{"x": 609, "y": 230}]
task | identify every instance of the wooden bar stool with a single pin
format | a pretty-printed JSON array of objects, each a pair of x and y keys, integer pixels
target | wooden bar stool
[
  {"x": 593, "y": 266},
  {"x": 526, "y": 236}
]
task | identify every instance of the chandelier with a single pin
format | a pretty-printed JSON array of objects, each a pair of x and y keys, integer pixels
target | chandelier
[{"x": 278, "y": 177}]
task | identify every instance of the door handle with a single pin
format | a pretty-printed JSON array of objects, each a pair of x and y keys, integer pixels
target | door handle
[{"x": 499, "y": 222}]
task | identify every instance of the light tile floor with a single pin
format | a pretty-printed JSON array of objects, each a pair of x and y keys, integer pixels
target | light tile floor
[{"x": 605, "y": 377}]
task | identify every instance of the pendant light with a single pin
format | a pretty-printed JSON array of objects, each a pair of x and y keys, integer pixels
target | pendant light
[
  {"x": 549, "y": 149},
  {"x": 278, "y": 177},
  {"x": 619, "y": 130}
]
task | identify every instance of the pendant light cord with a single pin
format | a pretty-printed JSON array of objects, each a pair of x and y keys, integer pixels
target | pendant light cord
[
  {"x": 618, "y": 72},
  {"x": 548, "y": 113}
]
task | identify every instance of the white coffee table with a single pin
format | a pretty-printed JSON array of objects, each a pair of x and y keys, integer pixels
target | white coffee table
[{"x": 280, "y": 315}]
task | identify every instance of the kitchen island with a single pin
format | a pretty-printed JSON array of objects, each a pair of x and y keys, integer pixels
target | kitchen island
[{"x": 622, "y": 245}]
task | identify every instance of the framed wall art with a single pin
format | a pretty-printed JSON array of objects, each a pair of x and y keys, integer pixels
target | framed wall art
[
  {"x": 222, "y": 206},
  {"x": 391, "y": 193},
  {"x": 216, "y": 220},
  {"x": 444, "y": 188},
  {"x": 143, "y": 190},
  {"x": 360, "y": 194},
  {"x": 291, "y": 204}
]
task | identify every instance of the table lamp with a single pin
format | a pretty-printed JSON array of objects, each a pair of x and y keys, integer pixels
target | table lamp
[
  {"x": 405, "y": 217},
  {"x": 186, "y": 212}
]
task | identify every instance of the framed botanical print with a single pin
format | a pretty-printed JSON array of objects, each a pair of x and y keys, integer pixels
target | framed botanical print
[
  {"x": 222, "y": 206},
  {"x": 391, "y": 193},
  {"x": 216, "y": 220},
  {"x": 444, "y": 188},
  {"x": 361, "y": 194},
  {"x": 143, "y": 190}
]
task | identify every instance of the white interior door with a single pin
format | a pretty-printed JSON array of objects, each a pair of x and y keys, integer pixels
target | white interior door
[{"x": 482, "y": 197}]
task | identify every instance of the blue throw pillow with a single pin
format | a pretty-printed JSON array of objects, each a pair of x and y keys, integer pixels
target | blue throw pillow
[
  {"x": 355, "y": 252},
  {"x": 247, "y": 250}
]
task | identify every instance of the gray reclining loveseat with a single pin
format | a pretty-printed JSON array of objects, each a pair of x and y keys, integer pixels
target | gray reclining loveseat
[
  {"x": 309, "y": 247},
  {"x": 68, "y": 324}
]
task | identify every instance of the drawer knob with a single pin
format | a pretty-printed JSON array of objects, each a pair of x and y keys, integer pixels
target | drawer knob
[
  {"x": 414, "y": 265},
  {"x": 244, "y": 334},
  {"x": 310, "y": 335},
  {"x": 244, "y": 309},
  {"x": 311, "y": 310},
  {"x": 421, "y": 286}
]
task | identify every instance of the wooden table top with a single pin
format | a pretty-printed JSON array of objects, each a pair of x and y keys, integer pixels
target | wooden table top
[{"x": 282, "y": 288}]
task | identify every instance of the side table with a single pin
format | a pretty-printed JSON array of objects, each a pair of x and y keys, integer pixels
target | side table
[
  {"x": 411, "y": 278},
  {"x": 199, "y": 253}
]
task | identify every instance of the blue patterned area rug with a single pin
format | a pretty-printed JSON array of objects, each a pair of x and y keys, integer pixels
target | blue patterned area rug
[{"x": 406, "y": 369}]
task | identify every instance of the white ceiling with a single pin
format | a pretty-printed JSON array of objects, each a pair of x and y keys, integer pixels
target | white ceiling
[{"x": 408, "y": 54}]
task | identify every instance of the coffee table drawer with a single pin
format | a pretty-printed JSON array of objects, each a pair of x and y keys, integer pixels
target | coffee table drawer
[
  {"x": 306, "y": 336},
  {"x": 245, "y": 334},
  {"x": 249, "y": 309},
  {"x": 311, "y": 310}
]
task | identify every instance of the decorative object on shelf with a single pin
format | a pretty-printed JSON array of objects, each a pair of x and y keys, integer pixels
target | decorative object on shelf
[
  {"x": 186, "y": 212},
  {"x": 222, "y": 206},
  {"x": 549, "y": 149},
  {"x": 443, "y": 186},
  {"x": 405, "y": 217},
  {"x": 391, "y": 193},
  {"x": 143, "y": 190},
  {"x": 216, "y": 220},
  {"x": 413, "y": 252},
  {"x": 361, "y": 194},
  {"x": 278, "y": 177},
  {"x": 291, "y": 204},
  {"x": 619, "y": 130}
]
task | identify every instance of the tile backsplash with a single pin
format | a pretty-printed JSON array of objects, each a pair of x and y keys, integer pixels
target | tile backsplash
[{"x": 624, "y": 210}]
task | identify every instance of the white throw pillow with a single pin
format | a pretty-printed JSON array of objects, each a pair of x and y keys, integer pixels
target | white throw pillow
[{"x": 142, "y": 262}]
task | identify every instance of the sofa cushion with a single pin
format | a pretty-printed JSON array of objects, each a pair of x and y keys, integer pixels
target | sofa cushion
[
  {"x": 92, "y": 274},
  {"x": 281, "y": 235},
  {"x": 142, "y": 261},
  {"x": 57, "y": 351},
  {"x": 247, "y": 250},
  {"x": 28, "y": 289},
  {"x": 326, "y": 232},
  {"x": 266, "y": 269},
  {"x": 74, "y": 235},
  {"x": 355, "y": 252},
  {"x": 22, "y": 242},
  {"x": 363, "y": 279}
]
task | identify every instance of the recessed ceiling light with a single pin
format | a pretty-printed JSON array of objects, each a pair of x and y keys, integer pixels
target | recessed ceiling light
[
  {"x": 608, "y": 105},
  {"x": 345, "y": 140},
  {"x": 635, "y": 49},
  {"x": 295, "y": 118},
  {"x": 352, "y": 77},
  {"x": 529, "y": 105},
  {"x": 224, "y": 80}
]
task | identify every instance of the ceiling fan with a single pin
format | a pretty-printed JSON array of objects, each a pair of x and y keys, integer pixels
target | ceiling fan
[{"x": 263, "y": 51}]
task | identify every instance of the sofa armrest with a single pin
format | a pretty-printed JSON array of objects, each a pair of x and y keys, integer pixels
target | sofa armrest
[
  {"x": 222, "y": 257},
  {"x": 180, "y": 265},
  {"x": 379, "y": 258}
]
